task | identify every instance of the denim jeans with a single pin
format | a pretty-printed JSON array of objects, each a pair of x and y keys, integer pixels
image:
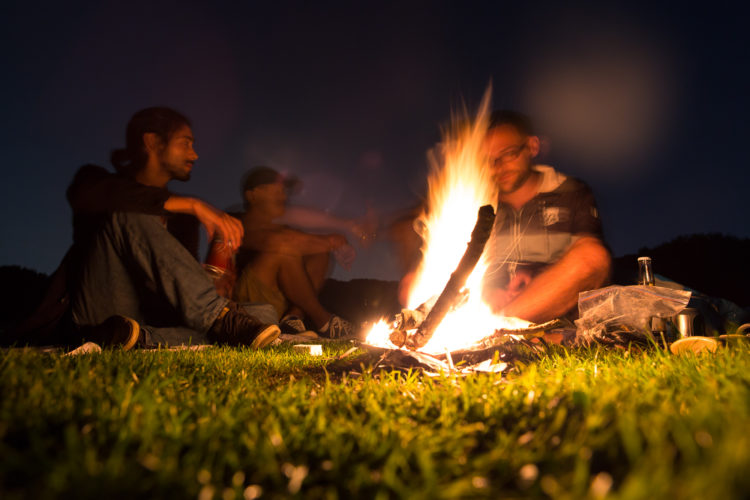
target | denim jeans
[{"x": 136, "y": 268}]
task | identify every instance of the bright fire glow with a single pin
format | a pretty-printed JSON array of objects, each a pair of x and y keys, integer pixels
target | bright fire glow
[{"x": 458, "y": 184}]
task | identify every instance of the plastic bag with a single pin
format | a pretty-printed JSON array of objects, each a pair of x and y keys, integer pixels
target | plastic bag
[{"x": 622, "y": 314}]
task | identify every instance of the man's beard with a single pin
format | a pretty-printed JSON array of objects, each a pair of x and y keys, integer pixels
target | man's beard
[
  {"x": 177, "y": 173},
  {"x": 520, "y": 180},
  {"x": 181, "y": 176}
]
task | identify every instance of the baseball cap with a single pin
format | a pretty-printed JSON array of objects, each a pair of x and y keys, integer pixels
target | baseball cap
[{"x": 259, "y": 176}]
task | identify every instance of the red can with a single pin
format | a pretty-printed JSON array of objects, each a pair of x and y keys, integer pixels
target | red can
[
  {"x": 220, "y": 258},
  {"x": 220, "y": 266}
]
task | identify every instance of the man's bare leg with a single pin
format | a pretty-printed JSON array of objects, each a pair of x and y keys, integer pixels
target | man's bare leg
[
  {"x": 298, "y": 287},
  {"x": 316, "y": 266}
]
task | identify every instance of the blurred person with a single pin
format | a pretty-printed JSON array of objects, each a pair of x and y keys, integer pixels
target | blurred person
[
  {"x": 285, "y": 266},
  {"x": 547, "y": 243},
  {"x": 132, "y": 274}
]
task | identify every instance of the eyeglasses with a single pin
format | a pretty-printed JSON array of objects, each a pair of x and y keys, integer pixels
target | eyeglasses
[{"x": 511, "y": 155}]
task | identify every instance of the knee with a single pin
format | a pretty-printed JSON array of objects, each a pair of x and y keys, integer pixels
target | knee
[
  {"x": 596, "y": 264},
  {"x": 318, "y": 260},
  {"x": 133, "y": 221}
]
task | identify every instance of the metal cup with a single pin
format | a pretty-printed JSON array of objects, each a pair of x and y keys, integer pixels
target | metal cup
[{"x": 689, "y": 323}]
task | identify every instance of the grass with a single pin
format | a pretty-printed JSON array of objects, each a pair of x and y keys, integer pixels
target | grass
[{"x": 234, "y": 423}]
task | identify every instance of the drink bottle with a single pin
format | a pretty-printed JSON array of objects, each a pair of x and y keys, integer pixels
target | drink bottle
[
  {"x": 646, "y": 278},
  {"x": 645, "y": 271}
]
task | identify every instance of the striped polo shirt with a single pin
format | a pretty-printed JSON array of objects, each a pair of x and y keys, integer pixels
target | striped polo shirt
[{"x": 542, "y": 230}]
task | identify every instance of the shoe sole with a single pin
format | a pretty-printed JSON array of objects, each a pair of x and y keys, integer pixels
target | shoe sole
[
  {"x": 116, "y": 332},
  {"x": 135, "y": 332},
  {"x": 265, "y": 337}
]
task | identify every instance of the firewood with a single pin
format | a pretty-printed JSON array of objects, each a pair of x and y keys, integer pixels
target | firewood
[
  {"x": 398, "y": 337},
  {"x": 449, "y": 295},
  {"x": 503, "y": 335}
]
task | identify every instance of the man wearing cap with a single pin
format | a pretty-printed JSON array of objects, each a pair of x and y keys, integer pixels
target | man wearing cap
[{"x": 286, "y": 267}]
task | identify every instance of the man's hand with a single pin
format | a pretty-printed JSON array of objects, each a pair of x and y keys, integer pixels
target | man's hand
[
  {"x": 365, "y": 229},
  {"x": 343, "y": 252},
  {"x": 335, "y": 241},
  {"x": 518, "y": 283},
  {"x": 345, "y": 255},
  {"x": 500, "y": 297},
  {"x": 216, "y": 222}
]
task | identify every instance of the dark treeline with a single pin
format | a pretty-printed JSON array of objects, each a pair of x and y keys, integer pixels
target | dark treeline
[
  {"x": 21, "y": 289},
  {"x": 714, "y": 264}
]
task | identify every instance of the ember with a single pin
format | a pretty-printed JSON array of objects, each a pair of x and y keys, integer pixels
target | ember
[{"x": 457, "y": 318}]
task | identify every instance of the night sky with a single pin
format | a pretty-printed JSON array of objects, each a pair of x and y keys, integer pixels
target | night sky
[{"x": 648, "y": 105}]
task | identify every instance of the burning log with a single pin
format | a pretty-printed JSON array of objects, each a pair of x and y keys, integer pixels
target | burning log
[
  {"x": 407, "y": 319},
  {"x": 451, "y": 292}
]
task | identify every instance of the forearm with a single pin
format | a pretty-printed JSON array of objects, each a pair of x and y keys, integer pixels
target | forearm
[
  {"x": 555, "y": 291},
  {"x": 309, "y": 244},
  {"x": 181, "y": 204},
  {"x": 291, "y": 242},
  {"x": 216, "y": 222},
  {"x": 315, "y": 219}
]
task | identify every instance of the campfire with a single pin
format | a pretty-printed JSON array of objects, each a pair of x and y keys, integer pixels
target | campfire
[{"x": 446, "y": 313}]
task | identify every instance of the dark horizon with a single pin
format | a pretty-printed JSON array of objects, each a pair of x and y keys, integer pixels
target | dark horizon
[{"x": 648, "y": 105}]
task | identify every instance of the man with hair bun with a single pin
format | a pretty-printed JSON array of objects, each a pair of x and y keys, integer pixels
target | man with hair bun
[{"x": 133, "y": 272}]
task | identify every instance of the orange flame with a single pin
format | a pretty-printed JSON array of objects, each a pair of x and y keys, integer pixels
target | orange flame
[{"x": 458, "y": 184}]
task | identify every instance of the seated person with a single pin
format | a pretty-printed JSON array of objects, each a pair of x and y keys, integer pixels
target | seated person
[
  {"x": 133, "y": 274},
  {"x": 286, "y": 267},
  {"x": 546, "y": 244}
]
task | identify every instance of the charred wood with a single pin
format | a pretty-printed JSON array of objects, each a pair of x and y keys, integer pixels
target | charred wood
[
  {"x": 503, "y": 335},
  {"x": 451, "y": 292}
]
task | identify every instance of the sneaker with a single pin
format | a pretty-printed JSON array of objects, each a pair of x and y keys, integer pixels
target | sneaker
[
  {"x": 115, "y": 331},
  {"x": 236, "y": 327},
  {"x": 338, "y": 328},
  {"x": 292, "y": 325}
]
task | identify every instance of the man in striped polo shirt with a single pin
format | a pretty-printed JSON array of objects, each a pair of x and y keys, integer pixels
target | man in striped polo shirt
[{"x": 547, "y": 243}]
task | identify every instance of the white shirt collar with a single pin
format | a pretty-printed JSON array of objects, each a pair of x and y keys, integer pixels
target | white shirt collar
[{"x": 551, "y": 179}]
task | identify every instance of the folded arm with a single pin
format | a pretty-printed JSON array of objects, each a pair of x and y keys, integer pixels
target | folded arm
[
  {"x": 96, "y": 190},
  {"x": 555, "y": 291},
  {"x": 215, "y": 221},
  {"x": 281, "y": 239},
  {"x": 308, "y": 218}
]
